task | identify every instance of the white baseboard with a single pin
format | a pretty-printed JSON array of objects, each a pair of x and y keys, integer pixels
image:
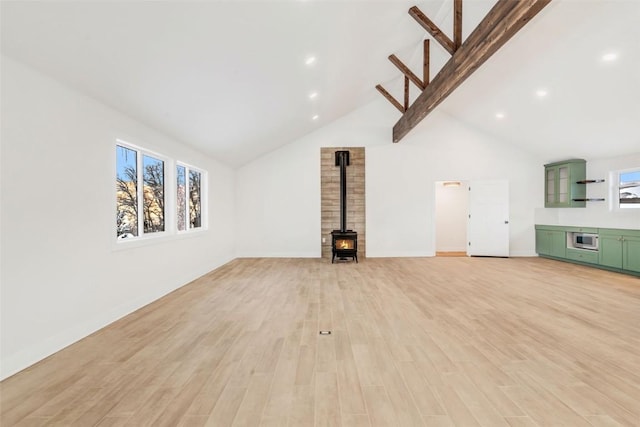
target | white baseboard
[
  {"x": 523, "y": 254},
  {"x": 281, "y": 255},
  {"x": 396, "y": 254}
]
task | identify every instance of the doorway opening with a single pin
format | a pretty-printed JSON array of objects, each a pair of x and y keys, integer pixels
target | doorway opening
[{"x": 451, "y": 214}]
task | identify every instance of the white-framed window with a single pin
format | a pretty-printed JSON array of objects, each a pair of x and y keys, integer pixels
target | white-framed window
[
  {"x": 156, "y": 196},
  {"x": 628, "y": 186},
  {"x": 190, "y": 183},
  {"x": 140, "y": 192}
]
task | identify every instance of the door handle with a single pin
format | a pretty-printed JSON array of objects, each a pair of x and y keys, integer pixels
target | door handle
[{"x": 506, "y": 222}]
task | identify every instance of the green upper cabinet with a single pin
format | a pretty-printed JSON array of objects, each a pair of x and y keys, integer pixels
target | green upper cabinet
[{"x": 561, "y": 188}]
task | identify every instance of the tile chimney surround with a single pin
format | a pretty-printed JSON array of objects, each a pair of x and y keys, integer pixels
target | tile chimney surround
[{"x": 342, "y": 203}]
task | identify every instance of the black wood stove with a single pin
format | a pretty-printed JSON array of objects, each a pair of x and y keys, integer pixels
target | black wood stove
[{"x": 344, "y": 243}]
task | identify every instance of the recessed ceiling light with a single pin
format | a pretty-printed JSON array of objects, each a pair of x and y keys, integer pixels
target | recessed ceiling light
[
  {"x": 609, "y": 57},
  {"x": 313, "y": 95},
  {"x": 541, "y": 93},
  {"x": 315, "y": 117},
  {"x": 499, "y": 116},
  {"x": 310, "y": 60}
]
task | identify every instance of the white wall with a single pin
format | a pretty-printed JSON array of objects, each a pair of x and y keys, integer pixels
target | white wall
[
  {"x": 598, "y": 214},
  {"x": 61, "y": 277},
  {"x": 452, "y": 210},
  {"x": 283, "y": 187}
]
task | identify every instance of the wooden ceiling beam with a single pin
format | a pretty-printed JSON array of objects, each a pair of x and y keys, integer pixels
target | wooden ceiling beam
[
  {"x": 505, "y": 19},
  {"x": 390, "y": 98},
  {"x": 406, "y": 71},
  {"x": 406, "y": 93},
  {"x": 457, "y": 24},
  {"x": 432, "y": 29},
  {"x": 425, "y": 63}
]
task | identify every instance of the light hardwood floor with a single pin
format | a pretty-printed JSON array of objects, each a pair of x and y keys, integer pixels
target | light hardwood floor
[
  {"x": 451, "y": 253},
  {"x": 415, "y": 341}
]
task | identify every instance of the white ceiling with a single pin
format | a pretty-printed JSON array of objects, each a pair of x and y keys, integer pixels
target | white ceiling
[{"x": 229, "y": 77}]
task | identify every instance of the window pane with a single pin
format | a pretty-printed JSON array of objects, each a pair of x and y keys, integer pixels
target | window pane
[
  {"x": 153, "y": 194},
  {"x": 181, "y": 199},
  {"x": 195, "y": 185},
  {"x": 630, "y": 189},
  {"x": 551, "y": 190},
  {"x": 126, "y": 193},
  {"x": 563, "y": 184}
]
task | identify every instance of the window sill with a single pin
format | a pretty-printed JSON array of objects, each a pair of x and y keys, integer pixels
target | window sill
[{"x": 161, "y": 238}]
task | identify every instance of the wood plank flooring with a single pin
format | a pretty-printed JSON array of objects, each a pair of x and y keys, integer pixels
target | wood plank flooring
[
  {"x": 451, "y": 253},
  {"x": 414, "y": 341}
]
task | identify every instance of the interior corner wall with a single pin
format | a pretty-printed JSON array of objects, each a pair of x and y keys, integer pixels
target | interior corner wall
[
  {"x": 61, "y": 277},
  {"x": 278, "y": 195}
]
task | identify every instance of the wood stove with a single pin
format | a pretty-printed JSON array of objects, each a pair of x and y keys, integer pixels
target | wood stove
[{"x": 344, "y": 243}]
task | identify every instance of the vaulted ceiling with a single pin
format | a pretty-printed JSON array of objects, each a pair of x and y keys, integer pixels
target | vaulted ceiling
[{"x": 231, "y": 79}]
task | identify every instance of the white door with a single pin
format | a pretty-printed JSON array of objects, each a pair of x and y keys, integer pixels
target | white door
[{"x": 488, "y": 227}]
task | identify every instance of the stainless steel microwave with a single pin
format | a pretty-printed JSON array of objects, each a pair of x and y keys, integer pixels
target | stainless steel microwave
[{"x": 585, "y": 241}]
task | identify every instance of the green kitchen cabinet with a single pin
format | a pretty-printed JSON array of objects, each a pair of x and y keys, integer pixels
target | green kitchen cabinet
[
  {"x": 620, "y": 249},
  {"x": 551, "y": 242},
  {"x": 631, "y": 253},
  {"x": 561, "y": 187},
  {"x": 610, "y": 250},
  {"x": 581, "y": 255}
]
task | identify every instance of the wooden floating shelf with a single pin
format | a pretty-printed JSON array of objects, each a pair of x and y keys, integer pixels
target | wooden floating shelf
[{"x": 589, "y": 181}]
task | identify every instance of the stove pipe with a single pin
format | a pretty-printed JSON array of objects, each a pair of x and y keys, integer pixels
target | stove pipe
[{"x": 342, "y": 160}]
